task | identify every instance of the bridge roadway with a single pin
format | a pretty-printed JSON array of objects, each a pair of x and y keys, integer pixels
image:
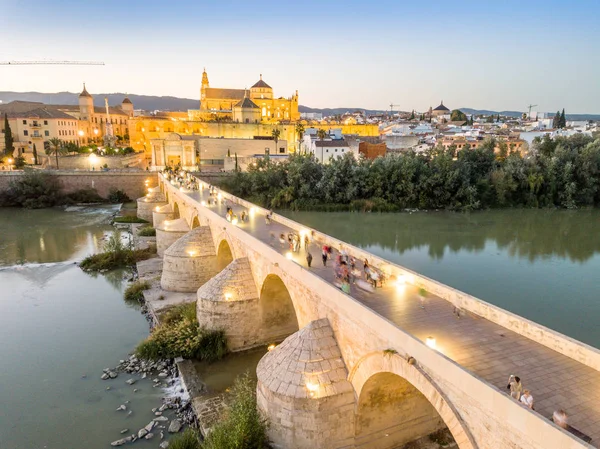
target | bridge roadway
[{"x": 486, "y": 349}]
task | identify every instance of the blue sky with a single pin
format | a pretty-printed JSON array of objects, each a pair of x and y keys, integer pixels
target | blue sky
[{"x": 494, "y": 55}]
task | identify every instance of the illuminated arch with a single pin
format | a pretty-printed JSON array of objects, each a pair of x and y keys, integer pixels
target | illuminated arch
[
  {"x": 277, "y": 314},
  {"x": 195, "y": 222},
  {"x": 175, "y": 210},
  {"x": 224, "y": 255},
  {"x": 378, "y": 372}
]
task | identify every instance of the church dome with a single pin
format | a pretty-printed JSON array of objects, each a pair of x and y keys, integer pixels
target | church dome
[
  {"x": 84, "y": 92},
  {"x": 441, "y": 107},
  {"x": 126, "y": 100}
]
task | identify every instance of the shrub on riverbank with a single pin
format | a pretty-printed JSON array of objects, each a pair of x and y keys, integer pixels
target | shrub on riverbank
[
  {"x": 129, "y": 219},
  {"x": 33, "y": 190},
  {"x": 115, "y": 255},
  {"x": 147, "y": 231},
  {"x": 186, "y": 440},
  {"x": 180, "y": 335},
  {"x": 135, "y": 292},
  {"x": 560, "y": 172},
  {"x": 241, "y": 425},
  {"x": 88, "y": 195}
]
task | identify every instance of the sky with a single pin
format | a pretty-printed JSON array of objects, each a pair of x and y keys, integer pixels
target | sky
[{"x": 498, "y": 55}]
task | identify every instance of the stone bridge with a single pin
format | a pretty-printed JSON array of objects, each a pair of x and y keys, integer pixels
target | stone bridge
[{"x": 357, "y": 370}]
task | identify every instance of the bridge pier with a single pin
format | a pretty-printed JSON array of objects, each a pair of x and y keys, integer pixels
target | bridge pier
[
  {"x": 146, "y": 204},
  {"x": 227, "y": 301},
  {"x": 162, "y": 213},
  {"x": 304, "y": 392},
  {"x": 189, "y": 262},
  {"x": 168, "y": 232}
]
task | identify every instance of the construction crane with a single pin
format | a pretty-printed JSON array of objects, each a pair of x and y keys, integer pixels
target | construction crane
[
  {"x": 392, "y": 106},
  {"x": 530, "y": 106},
  {"x": 51, "y": 63}
]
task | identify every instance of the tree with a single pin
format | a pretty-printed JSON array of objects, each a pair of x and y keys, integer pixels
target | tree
[
  {"x": 9, "y": 147},
  {"x": 562, "y": 123},
  {"x": 35, "y": 158},
  {"x": 556, "y": 120},
  {"x": 276, "y": 133},
  {"x": 236, "y": 163},
  {"x": 498, "y": 118},
  {"x": 228, "y": 153},
  {"x": 458, "y": 116},
  {"x": 412, "y": 115},
  {"x": 55, "y": 146},
  {"x": 489, "y": 119},
  {"x": 300, "y": 132}
]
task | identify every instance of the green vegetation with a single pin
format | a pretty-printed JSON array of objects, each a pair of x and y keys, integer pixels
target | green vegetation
[
  {"x": 56, "y": 147},
  {"x": 135, "y": 292},
  {"x": 458, "y": 116},
  {"x": 115, "y": 255},
  {"x": 9, "y": 147},
  {"x": 189, "y": 439},
  {"x": 560, "y": 172},
  {"x": 35, "y": 155},
  {"x": 33, "y": 190},
  {"x": 147, "y": 231},
  {"x": 117, "y": 196},
  {"x": 442, "y": 437},
  {"x": 389, "y": 352},
  {"x": 179, "y": 335},
  {"x": 241, "y": 424},
  {"x": 88, "y": 195},
  {"x": 129, "y": 219}
]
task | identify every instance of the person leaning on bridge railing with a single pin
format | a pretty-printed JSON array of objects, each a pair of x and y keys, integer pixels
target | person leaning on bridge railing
[{"x": 515, "y": 386}]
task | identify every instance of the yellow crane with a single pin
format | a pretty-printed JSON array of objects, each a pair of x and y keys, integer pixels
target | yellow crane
[{"x": 51, "y": 63}]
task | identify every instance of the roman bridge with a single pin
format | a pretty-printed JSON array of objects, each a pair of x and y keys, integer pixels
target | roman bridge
[{"x": 367, "y": 369}]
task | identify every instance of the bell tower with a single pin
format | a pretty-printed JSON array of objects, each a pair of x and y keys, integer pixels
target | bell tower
[{"x": 203, "y": 88}]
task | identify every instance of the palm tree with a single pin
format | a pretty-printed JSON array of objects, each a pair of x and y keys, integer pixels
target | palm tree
[
  {"x": 276, "y": 133},
  {"x": 300, "y": 132},
  {"x": 56, "y": 147},
  {"x": 321, "y": 134}
]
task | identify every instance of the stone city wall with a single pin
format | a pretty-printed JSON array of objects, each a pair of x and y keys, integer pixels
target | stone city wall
[
  {"x": 132, "y": 183},
  {"x": 488, "y": 418},
  {"x": 83, "y": 162}
]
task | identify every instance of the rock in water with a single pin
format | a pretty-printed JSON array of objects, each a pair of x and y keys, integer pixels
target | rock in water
[
  {"x": 150, "y": 426},
  {"x": 149, "y": 436},
  {"x": 130, "y": 381},
  {"x": 161, "y": 418},
  {"x": 112, "y": 374},
  {"x": 104, "y": 376},
  {"x": 124, "y": 430},
  {"x": 121, "y": 407},
  {"x": 164, "y": 445},
  {"x": 121, "y": 442},
  {"x": 175, "y": 426},
  {"x": 142, "y": 433}
]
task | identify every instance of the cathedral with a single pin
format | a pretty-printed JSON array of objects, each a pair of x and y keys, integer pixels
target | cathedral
[{"x": 256, "y": 105}]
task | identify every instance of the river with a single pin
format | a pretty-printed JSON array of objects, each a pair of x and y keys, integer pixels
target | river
[
  {"x": 541, "y": 264},
  {"x": 59, "y": 328}
]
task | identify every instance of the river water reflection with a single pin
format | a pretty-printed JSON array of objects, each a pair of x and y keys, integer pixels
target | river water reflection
[
  {"x": 58, "y": 324},
  {"x": 541, "y": 264}
]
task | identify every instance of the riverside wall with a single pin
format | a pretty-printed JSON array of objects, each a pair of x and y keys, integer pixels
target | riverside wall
[{"x": 133, "y": 183}]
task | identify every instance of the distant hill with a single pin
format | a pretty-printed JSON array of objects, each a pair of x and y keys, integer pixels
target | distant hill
[
  {"x": 519, "y": 114},
  {"x": 146, "y": 102},
  {"x": 338, "y": 111},
  {"x": 151, "y": 103}
]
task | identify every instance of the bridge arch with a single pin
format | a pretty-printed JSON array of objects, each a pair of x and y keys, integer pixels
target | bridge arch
[
  {"x": 176, "y": 213},
  {"x": 385, "y": 384},
  {"x": 278, "y": 318},
  {"x": 195, "y": 222},
  {"x": 224, "y": 255}
]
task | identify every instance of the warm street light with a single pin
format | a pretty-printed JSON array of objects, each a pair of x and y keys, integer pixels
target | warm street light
[
  {"x": 80, "y": 133},
  {"x": 10, "y": 161},
  {"x": 93, "y": 160},
  {"x": 430, "y": 341}
]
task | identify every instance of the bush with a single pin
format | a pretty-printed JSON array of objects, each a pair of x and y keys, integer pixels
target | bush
[
  {"x": 116, "y": 255},
  {"x": 186, "y": 440},
  {"x": 179, "y": 335},
  {"x": 135, "y": 292},
  {"x": 147, "y": 231},
  {"x": 241, "y": 424},
  {"x": 129, "y": 219},
  {"x": 20, "y": 162},
  {"x": 88, "y": 195},
  {"x": 33, "y": 190},
  {"x": 117, "y": 196}
]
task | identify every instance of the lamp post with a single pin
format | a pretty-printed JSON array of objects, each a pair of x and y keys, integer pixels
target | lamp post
[
  {"x": 92, "y": 158},
  {"x": 10, "y": 161}
]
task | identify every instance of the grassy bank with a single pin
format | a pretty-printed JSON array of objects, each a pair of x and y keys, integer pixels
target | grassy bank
[
  {"x": 179, "y": 335},
  {"x": 135, "y": 292},
  {"x": 115, "y": 255}
]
